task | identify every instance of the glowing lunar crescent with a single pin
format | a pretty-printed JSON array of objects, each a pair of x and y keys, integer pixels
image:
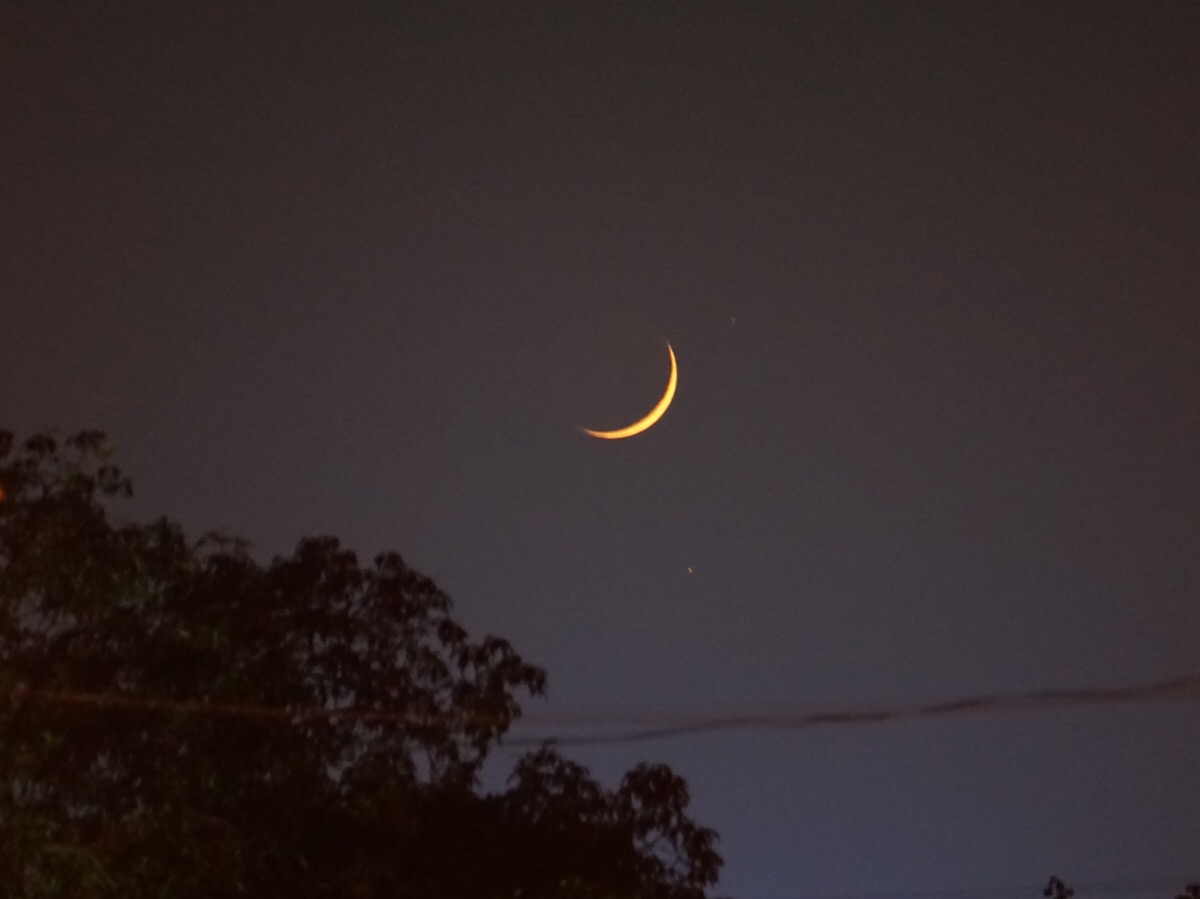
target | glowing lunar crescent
[{"x": 654, "y": 415}]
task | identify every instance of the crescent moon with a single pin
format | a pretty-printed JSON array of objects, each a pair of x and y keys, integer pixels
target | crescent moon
[{"x": 653, "y": 416}]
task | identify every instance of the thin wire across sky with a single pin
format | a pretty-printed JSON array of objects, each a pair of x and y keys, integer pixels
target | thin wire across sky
[{"x": 535, "y": 730}]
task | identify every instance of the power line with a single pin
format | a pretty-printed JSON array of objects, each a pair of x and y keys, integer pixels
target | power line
[
  {"x": 1184, "y": 687},
  {"x": 1187, "y": 687}
]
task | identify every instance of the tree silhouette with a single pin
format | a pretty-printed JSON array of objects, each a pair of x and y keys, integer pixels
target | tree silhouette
[
  {"x": 179, "y": 720},
  {"x": 1056, "y": 889}
]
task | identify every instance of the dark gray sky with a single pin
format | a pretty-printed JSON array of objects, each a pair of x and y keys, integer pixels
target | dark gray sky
[{"x": 931, "y": 273}]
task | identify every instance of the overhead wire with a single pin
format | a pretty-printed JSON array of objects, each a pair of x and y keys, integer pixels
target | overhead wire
[
  {"x": 1185, "y": 687},
  {"x": 533, "y": 730}
]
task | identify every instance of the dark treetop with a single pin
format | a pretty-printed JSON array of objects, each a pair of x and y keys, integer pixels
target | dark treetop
[{"x": 180, "y": 720}]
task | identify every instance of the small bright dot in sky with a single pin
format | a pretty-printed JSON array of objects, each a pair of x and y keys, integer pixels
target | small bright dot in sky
[{"x": 689, "y": 569}]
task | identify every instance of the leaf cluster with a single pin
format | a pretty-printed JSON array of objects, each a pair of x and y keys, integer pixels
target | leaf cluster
[{"x": 177, "y": 719}]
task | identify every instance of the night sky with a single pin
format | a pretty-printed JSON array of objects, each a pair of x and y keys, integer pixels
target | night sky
[{"x": 931, "y": 273}]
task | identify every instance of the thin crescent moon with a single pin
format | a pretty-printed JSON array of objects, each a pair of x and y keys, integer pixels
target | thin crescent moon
[{"x": 654, "y": 415}]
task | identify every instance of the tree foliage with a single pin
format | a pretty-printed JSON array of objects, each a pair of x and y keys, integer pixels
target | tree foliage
[
  {"x": 1056, "y": 888},
  {"x": 178, "y": 720}
]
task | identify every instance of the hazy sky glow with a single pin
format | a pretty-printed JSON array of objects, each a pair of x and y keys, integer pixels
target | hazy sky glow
[{"x": 931, "y": 271}]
